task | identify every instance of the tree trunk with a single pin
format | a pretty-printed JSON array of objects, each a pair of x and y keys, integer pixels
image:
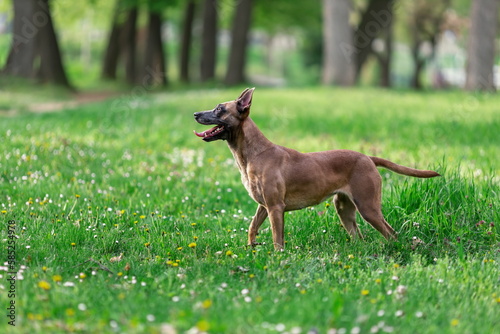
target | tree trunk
[
  {"x": 209, "y": 41},
  {"x": 385, "y": 57},
  {"x": 34, "y": 42},
  {"x": 51, "y": 67},
  {"x": 376, "y": 20},
  {"x": 419, "y": 63},
  {"x": 481, "y": 47},
  {"x": 23, "y": 47},
  {"x": 187, "y": 34},
  {"x": 112, "y": 53},
  {"x": 338, "y": 45},
  {"x": 128, "y": 42},
  {"x": 154, "y": 72},
  {"x": 239, "y": 42}
]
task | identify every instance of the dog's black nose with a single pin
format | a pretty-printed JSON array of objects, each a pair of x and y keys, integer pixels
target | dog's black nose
[{"x": 197, "y": 114}]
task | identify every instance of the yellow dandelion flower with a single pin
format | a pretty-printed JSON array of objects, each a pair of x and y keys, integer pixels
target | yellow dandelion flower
[
  {"x": 142, "y": 216},
  {"x": 206, "y": 304},
  {"x": 319, "y": 280},
  {"x": 82, "y": 275},
  {"x": 147, "y": 244},
  {"x": 73, "y": 244},
  {"x": 195, "y": 238},
  {"x": 179, "y": 248},
  {"x": 203, "y": 326},
  {"x": 192, "y": 245},
  {"x": 44, "y": 285},
  {"x": 57, "y": 278},
  {"x": 77, "y": 196},
  {"x": 303, "y": 292},
  {"x": 350, "y": 256},
  {"x": 70, "y": 312},
  {"x": 175, "y": 264},
  {"x": 251, "y": 275},
  {"x": 229, "y": 253},
  {"x": 44, "y": 268},
  {"x": 4, "y": 211},
  {"x": 378, "y": 280},
  {"x": 365, "y": 292},
  {"x": 396, "y": 265},
  {"x": 454, "y": 322},
  {"x": 192, "y": 224}
]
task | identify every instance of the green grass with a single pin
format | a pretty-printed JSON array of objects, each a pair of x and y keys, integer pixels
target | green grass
[{"x": 127, "y": 177}]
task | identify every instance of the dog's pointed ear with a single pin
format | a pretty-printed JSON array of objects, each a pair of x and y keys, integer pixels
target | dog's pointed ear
[{"x": 245, "y": 100}]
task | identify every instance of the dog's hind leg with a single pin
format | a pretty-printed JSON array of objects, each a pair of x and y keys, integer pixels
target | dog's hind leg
[
  {"x": 366, "y": 194},
  {"x": 376, "y": 219},
  {"x": 347, "y": 213},
  {"x": 257, "y": 221}
]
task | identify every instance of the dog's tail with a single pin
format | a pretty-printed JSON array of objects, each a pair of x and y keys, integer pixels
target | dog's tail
[{"x": 403, "y": 169}]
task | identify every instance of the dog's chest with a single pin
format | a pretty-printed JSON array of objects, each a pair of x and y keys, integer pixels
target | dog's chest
[{"x": 252, "y": 185}]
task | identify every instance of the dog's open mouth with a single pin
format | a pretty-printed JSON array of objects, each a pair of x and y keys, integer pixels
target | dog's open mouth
[{"x": 210, "y": 132}]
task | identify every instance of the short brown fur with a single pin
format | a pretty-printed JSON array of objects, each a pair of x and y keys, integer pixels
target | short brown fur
[{"x": 280, "y": 179}]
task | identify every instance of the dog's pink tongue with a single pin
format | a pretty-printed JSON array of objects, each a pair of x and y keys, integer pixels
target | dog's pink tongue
[
  {"x": 205, "y": 133},
  {"x": 200, "y": 134}
]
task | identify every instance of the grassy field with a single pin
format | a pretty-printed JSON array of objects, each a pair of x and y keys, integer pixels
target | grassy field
[{"x": 125, "y": 222}]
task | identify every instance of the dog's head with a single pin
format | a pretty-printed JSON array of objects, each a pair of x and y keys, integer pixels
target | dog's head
[{"x": 225, "y": 116}]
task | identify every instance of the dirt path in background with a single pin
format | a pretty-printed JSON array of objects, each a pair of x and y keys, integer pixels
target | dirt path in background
[{"x": 77, "y": 100}]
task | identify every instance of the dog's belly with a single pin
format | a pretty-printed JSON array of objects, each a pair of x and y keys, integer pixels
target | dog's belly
[{"x": 300, "y": 201}]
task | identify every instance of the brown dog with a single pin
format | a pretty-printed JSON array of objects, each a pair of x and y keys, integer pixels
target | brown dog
[{"x": 281, "y": 179}]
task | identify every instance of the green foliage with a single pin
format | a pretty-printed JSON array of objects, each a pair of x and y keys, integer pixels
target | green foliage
[{"x": 127, "y": 222}]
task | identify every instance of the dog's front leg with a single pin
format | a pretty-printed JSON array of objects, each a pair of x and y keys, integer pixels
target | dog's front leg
[
  {"x": 257, "y": 221},
  {"x": 276, "y": 216}
]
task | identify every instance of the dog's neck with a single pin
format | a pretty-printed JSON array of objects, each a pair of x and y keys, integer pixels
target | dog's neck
[{"x": 247, "y": 142}]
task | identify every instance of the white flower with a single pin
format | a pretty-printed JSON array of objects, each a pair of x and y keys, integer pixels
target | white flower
[
  {"x": 280, "y": 327},
  {"x": 401, "y": 290}
]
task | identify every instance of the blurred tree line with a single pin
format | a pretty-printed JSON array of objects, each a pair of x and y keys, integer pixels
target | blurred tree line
[{"x": 335, "y": 38}]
